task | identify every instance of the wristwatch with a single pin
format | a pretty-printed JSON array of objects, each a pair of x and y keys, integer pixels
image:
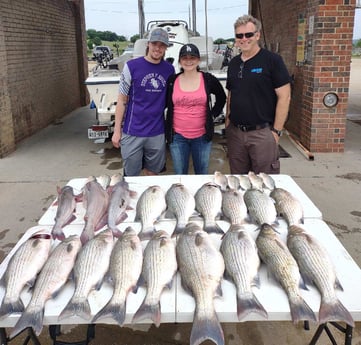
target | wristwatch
[{"x": 279, "y": 133}]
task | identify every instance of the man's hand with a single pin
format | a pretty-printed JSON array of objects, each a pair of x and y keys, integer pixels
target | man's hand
[{"x": 116, "y": 139}]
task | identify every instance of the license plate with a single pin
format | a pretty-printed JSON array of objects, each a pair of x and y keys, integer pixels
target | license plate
[{"x": 97, "y": 134}]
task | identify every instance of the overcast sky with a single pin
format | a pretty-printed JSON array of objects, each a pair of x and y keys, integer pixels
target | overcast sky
[{"x": 121, "y": 16}]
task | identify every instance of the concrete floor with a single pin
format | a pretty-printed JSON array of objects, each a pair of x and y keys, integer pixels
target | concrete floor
[{"x": 60, "y": 152}]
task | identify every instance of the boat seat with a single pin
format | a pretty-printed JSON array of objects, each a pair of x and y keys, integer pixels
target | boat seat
[{"x": 140, "y": 47}]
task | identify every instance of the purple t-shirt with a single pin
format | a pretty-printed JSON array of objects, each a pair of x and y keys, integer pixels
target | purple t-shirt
[{"x": 145, "y": 85}]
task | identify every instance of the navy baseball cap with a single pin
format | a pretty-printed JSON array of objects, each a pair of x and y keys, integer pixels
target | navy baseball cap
[
  {"x": 159, "y": 35},
  {"x": 189, "y": 49}
]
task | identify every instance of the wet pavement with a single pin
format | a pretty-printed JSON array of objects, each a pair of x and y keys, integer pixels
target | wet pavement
[{"x": 60, "y": 152}]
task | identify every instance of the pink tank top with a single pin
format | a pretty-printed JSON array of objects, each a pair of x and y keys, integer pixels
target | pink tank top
[{"x": 189, "y": 110}]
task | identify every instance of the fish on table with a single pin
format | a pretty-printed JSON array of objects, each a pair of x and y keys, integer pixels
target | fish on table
[
  {"x": 158, "y": 270},
  {"x": 282, "y": 265},
  {"x": 201, "y": 267},
  {"x": 180, "y": 201},
  {"x": 22, "y": 270},
  {"x": 244, "y": 182},
  {"x": 287, "y": 206},
  {"x": 318, "y": 269},
  {"x": 233, "y": 182},
  {"x": 260, "y": 206},
  {"x": 124, "y": 270},
  {"x": 95, "y": 202},
  {"x": 256, "y": 181},
  {"x": 119, "y": 202},
  {"x": 234, "y": 209},
  {"x": 66, "y": 206},
  {"x": 242, "y": 263},
  {"x": 208, "y": 200},
  {"x": 90, "y": 267},
  {"x": 51, "y": 279},
  {"x": 220, "y": 180},
  {"x": 268, "y": 181},
  {"x": 151, "y": 205}
]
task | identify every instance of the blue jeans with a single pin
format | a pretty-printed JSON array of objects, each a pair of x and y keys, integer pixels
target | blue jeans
[{"x": 182, "y": 148}]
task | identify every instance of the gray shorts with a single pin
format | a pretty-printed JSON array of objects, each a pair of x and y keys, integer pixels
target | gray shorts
[{"x": 142, "y": 152}]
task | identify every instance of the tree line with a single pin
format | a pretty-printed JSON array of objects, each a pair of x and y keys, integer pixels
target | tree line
[{"x": 95, "y": 38}]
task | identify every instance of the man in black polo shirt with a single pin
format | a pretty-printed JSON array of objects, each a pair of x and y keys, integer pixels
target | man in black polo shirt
[{"x": 258, "y": 85}]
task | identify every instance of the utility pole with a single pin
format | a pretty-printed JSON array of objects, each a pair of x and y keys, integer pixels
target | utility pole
[{"x": 141, "y": 18}]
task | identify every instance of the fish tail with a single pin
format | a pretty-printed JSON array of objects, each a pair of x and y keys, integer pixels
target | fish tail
[
  {"x": 33, "y": 319},
  {"x": 85, "y": 236},
  {"x": 335, "y": 312},
  {"x": 114, "y": 310},
  {"x": 206, "y": 328},
  {"x": 249, "y": 304},
  {"x": 8, "y": 308},
  {"x": 116, "y": 232},
  {"x": 80, "y": 308},
  {"x": 58, "y": 233},
  {"x": 179, "y": 228},
  {"x": 300, "y": 310},
  {"x": 213, "y": 228},
  {"x": 148, "y": 311}
]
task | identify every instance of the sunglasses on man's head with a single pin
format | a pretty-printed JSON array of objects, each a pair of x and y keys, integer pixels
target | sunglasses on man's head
[{"x": 247, "y": 35}]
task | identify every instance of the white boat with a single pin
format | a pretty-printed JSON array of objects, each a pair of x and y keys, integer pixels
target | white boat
[{"x": 102, "y": 84}]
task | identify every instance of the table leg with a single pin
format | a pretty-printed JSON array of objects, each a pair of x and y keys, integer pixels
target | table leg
[
  {"x": 324, "y": 327},
  {"x": 54, "y": 331},
  {"x": 3, "y": 338}
]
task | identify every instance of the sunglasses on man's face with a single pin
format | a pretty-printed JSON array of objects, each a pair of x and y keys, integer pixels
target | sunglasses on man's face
[{"x": 247, "y": 35}]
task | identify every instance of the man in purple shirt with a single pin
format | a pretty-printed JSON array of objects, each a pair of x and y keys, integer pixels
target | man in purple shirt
[{"x": 141, "y": 103}]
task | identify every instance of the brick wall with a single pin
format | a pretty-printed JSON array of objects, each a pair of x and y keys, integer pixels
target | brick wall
[
  {"x": 43, "y": 55},
  {"x": 325, "y": 66}
]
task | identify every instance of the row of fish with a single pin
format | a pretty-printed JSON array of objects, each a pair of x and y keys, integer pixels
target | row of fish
[
  {"x": 239, "y": 199},
  {"x": 105, "y": 200},
  {"x": 201, "y": 266}
]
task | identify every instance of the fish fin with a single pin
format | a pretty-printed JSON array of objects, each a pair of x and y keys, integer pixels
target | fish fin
[
  {"x": 206, "y": 328},
  {"x": 33, "y": 319},
  {"x": 169, "y": 214},
  {"x": 85, "y": 237},
  {"x": 300, "y": 310},
  {"x": 133, "y": 194},
  {"x": 134, "y": 289},
  {"x": 179, "y": 228},
  {"x": 335, "y": 312},
  {"x": 186, "y": 288},
  {"x": 79, "y": 197},
  {"x": 148, "y": 311},
  {"x": 302, "y": 283},
  {"x": 58, "y": 234},
  {"x": 102, "y": 222},
  {"x": 146, "y": 234},
  {"x": 122, "y": 217},
  {"x": 256, "y": 281},
  {"x": 218, "y": 292},
  {"x": 8, "y": 308},
  {"x": 116, "y": 232},
  {"x": 227, "y": 276},
  {"x": 80, "y": 308},
  {"x": 169, "y": 285},
  {"x": 247, "y": 304},
  {"x": 115, "y": 311},
  {"x": 338, "y": 285},
  {"x": 213, "y": 228},
  {"x": 141, "y": 281}
]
